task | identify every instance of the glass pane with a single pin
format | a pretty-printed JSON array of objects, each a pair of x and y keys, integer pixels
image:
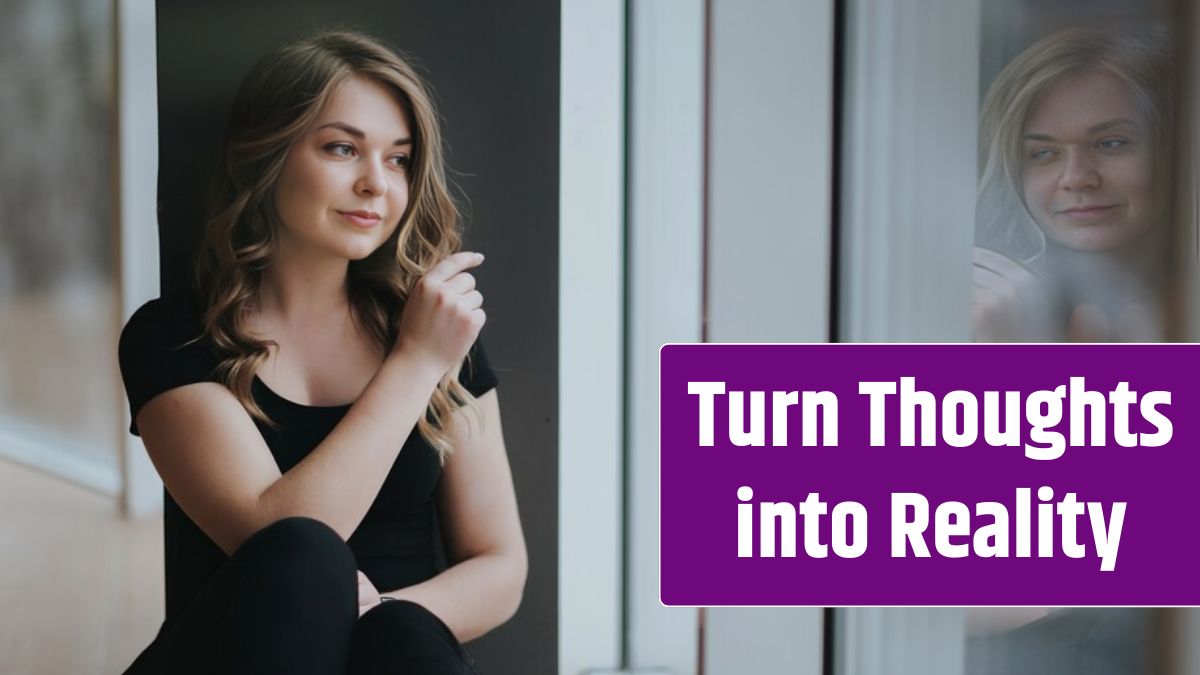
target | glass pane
[
  {"x": 1073, "y": 234},
  {"x": 1072, "y": 222},
  {"x": 57, "y": 242},
  {"x": 1065, "y": 143}
]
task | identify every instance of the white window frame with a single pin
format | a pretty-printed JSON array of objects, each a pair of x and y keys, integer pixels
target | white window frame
[
  {"x": 665, "y": 230},
  {"x": 591, "y": 353},
  {"x": 908, "y": 172},
  {"x": 765, "y": 57},
  {"x": 137, "y": 111},
  {"x": 770, "y": 139},
  {"x": 907, "y": 214}
]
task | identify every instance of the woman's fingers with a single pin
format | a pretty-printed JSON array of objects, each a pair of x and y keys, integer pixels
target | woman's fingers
[
  {"x": 986, "y": 279},
  {"x": 1000, "y": 265},
  {"x": 473, "y": 300},
  {"x": 442, "y": 313},
  {"x": 463, "y": 282},
  {"x": 452, "y": 265}
]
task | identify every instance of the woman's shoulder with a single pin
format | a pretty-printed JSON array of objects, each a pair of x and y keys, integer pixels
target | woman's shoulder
[
  {"x": 163, "y": 346},
  {"x": 168, "y": 323},
  {"x": 174, "y": 310}
]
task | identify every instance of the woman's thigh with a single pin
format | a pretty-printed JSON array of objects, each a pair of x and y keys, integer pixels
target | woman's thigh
[
  {"x": 285, "y": 602},
  {"x": 403, "y": 637}
]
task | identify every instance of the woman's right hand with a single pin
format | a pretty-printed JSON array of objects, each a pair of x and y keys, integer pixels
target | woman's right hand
[
  {"x": 1008, "y": 302},
  {"x": 443, "y": 313}
]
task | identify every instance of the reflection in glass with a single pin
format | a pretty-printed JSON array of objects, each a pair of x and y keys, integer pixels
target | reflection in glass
[
  {"x": 1072, "y": 226},
  {"x": 57, "y": 297},
  {"x": 1069, "y": 641},
  {"x": 1074, "y": 199}
]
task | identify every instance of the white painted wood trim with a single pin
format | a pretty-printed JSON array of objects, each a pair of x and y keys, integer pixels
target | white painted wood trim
[
  {"x": 770, "y": 201},
  {"x": 900, "y": 641},
  {"x": 39, "y": 447},
  {"x": 591, "y": 288},
  {"x": 137, "y": 106},
  {"x": 770, "y": 170},
  {"x": 665, "y": 230},
  {"x": 908, "y": 211},
  {"x": 908, "y": 170}
]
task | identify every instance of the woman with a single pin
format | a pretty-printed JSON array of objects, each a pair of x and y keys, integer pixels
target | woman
[
  {"x": 1075, "y": 186},
  {"x": 333, "y": 319},
  {"x": 1076, "y": 169}
]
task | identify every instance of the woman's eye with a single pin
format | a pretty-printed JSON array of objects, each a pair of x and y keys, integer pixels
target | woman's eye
[
  {"x": 1112, "y": 143},
  {"x": 1041, "y": 154},
  {"x": 402, "y": 161},
  {"x": 340, "y": 149}
]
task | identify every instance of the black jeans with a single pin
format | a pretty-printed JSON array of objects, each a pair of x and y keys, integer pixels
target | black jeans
[{"x": 287, "y": 602}]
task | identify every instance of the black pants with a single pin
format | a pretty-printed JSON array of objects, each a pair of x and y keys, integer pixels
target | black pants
[{"x": 287, "y": 602}]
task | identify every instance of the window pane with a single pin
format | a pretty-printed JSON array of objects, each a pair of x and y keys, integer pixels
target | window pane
[
  {"x": 57, "y": 267},
  {"x": 1073, "y": 232},
  {"x": 1009, "y": 172},
  {"x": 1073, "y": 217}
]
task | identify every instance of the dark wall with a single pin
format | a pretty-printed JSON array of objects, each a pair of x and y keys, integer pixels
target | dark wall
[{"x": 494, "y": 68}]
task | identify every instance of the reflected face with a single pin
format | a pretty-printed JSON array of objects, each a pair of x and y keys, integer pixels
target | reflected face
[
  {"x": 344, "y": 185},
  {"x": 1088, "y": 164}
]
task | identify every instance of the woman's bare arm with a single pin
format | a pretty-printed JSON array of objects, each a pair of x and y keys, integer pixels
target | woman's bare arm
[
  {"x": 482, "y": 530},
  {"x": 218, "y": 468}
]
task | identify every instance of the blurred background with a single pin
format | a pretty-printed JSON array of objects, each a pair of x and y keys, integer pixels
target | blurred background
[{"x": 639, "y": 172}]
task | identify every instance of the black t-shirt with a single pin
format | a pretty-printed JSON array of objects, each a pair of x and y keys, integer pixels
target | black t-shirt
[{"x": 394, "y": 544}]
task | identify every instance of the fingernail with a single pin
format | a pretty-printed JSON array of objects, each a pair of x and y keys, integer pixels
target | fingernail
[{"x": 479, "y": 255}]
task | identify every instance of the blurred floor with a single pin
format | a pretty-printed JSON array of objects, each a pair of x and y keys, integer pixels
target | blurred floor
[{"x": 82, "y": 588}]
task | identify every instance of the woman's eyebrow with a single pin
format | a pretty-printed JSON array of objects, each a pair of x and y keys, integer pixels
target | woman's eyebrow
[
  {"x": 357, "y": 133},
  {"x": 1109, "y": 124},
  {"x": 1094, "y": 129}
]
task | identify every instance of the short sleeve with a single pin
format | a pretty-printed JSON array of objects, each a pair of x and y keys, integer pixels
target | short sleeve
[
  {"x": 158, "y": 352},
  {"x": 477, "y": 375}
]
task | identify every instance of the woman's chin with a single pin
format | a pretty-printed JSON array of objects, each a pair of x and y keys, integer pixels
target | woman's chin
[
  {"x": 358, "y": 250},
  {"x": 1096, "y": 238}
]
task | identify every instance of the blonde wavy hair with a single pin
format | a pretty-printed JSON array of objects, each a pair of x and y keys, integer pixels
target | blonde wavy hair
[
  {"x": 275, "y": 106},
  {"x": 1141, "y": 59}
]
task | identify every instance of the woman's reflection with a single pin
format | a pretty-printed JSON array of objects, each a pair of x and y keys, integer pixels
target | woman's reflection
[
  {"x": 1071, "y": 225},
  {"x": 1074, "y": 197}
]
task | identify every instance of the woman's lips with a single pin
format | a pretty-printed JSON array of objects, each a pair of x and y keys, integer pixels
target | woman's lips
[
  {"x": 363, "y": 219},
  {"x": 1087, "y": 212}
]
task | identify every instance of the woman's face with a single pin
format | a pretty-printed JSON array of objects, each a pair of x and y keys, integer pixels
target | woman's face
[
  {"x": 1087, "y": 164},
  {"x": 344, "y": 185}
]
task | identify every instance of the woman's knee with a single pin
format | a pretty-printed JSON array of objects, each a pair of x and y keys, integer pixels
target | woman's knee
[
  {"x": 293, "y": 599},
  {"x": 298, "y": 552},
  {"x": 395, "y": 635},
  {"x": 295, "y": 536}
]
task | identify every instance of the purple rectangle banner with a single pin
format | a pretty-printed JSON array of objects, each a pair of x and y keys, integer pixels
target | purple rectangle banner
[{"x": 839, "y": 474}]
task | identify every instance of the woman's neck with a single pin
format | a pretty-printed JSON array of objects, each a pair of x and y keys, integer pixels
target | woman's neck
[
  {"x": 301, "y": 289},
  {"x": 1142, "y": 259}
]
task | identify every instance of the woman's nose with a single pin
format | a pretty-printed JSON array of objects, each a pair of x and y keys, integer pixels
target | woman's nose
[
  {"x": 371, "y": 181},
  {"x": 1079, "y": 172}
]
